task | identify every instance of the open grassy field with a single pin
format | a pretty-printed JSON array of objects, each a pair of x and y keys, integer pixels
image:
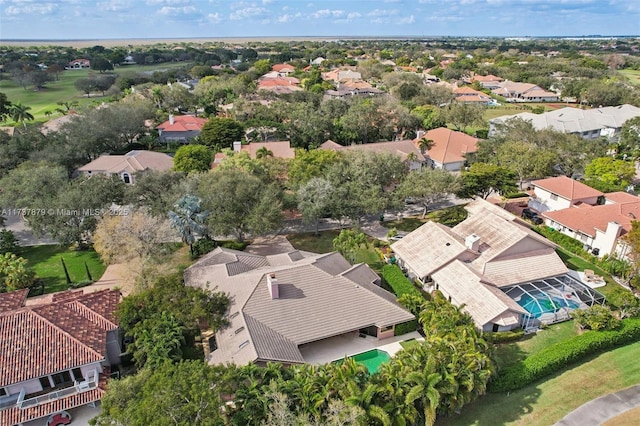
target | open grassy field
[
  {"x": 544, "y": 403},
  {"x": 512, "y": 109},
  {"x": 632, "y": 75},
  {"x": 64, "y": 90},
  {"x": 45, "y": 261}
]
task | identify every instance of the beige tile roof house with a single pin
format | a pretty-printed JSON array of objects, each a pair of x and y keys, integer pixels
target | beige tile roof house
[
  {"x": 405, "y": 149},
  {"x": 125, "y": 166},
  {"x": 55, "y": 356},
  {"x": 488, "y": 263},
  {"x": 449, "y": 148},
  {"x": 283, "y": 301},
  {"x": 586, "y": 123}
]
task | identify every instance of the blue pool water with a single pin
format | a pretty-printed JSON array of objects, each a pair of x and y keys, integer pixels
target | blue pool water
[{"x": 544, "y": 305}]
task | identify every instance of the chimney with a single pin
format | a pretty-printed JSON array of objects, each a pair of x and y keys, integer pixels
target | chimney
[
  {"x": 272, "y": 284},
  {"x": 237, "y": 145},
  {"x": 420, "y": 134},
  {"x": 472, "y": 242},
  {"x": 171, "y": 119}
]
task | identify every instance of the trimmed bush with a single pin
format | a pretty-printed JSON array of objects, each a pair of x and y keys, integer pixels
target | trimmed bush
[
  {"x": 564, "y": 241},
  {"x": 504, "y": 336},
  {"x": 396, "y": 279},
  {"x": 406, "y": 327},
  {"x": 556, "y": 357}
]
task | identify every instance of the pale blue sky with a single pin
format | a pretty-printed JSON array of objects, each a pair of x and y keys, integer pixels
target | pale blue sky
[{"x": 113, "y": 19}]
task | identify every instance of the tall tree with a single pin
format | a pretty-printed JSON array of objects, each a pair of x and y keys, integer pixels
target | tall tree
[
  {"x": 188, "y": 218},
  {"x": 314, "y": 199},
  {"x": 526, "y": 160},
  {"x": 429, "y": 186},
  {"x": 484, "y": 179},
  {"x": 348, "y": 242},
  {"x": 157, "y": 340},
  {"x": 192, "y": 158},
  {"x": 462, "y": 115},
  {"x": 240, "y": 203},
  {"x": 219, "y": 133},
  {"x": 20, "y": 113}
]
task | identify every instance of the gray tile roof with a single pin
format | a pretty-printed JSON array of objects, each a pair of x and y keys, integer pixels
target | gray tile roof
[{"x": 320, "y": 296}]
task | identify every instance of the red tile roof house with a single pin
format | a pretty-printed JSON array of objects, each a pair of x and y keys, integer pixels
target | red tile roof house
[
  {"x": 449, "y": 148},
  {"x": 125, "y": 166},
  {"x": 180, "y": 128},
  {"x": 55, "y": 356},
  {"x": 468, "y": 95},
  {"x": 561, "y": 192},
  {"x": 601, "y": 228}
]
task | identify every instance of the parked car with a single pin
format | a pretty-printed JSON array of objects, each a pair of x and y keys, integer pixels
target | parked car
[{"x": 532, "y": 216}]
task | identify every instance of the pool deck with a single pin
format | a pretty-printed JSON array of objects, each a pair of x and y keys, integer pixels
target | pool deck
[{"x": 334, "y": 348}]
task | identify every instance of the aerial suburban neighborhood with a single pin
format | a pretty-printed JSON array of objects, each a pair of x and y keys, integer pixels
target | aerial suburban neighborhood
[{"x": 319, "y": 230}]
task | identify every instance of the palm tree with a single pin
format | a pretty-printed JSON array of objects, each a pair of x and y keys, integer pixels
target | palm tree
[
  {"x": 423, "y": 391},
  {"x": 425, "y": 144},
  {"x": 263, "y": 153},
  {"x": 189, "y": 219},
  {"x": 20, "y": 113}
]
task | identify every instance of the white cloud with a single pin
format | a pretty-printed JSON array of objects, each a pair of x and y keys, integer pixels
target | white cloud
[
  {"x": 19, "y": 8},
  {"x": 353, "y": 15},
  {"x": 114, "y": 5},
  {"x": 171, "y": 10},
  {"x": 383, "y": 12},
  {"x": 325, "y": 13},
  {"x": 408, "y": 20},
  {"x": 214, "y": 18},
  {"x": 165, "y": 2},
  {"x": 247, "y": 13},
  {"x": 288, "y": 17}
]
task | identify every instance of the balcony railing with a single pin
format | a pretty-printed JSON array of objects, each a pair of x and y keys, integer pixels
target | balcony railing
[{"x": 78, "y": 387}]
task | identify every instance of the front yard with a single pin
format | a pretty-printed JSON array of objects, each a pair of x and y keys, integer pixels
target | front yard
[{"x": 45, "y": 261}]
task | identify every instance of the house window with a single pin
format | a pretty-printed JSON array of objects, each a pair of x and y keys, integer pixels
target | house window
[
  {"x": 77, "y": 375},
  {"x": 126, "y": 177},
  {"x": 61, "y": 378},
  {"x": 495, "y": 328},
  {"x": 554, "y": 197},
  {"x": 45, "y": 383},
  {"x": 3, "y": 392},
  {"x": 383, "y": 329}
]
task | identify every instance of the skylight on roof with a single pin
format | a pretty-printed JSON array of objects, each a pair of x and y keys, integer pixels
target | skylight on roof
[{"x": 243, "y": 344}]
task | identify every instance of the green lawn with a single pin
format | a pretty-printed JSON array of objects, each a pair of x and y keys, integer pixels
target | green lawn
[
  {"x": 45, "y": 261},
  {"x": 323, "y": 243},
  {"x": 449, "y": 216},
  {"x": 509, "y": 353},
  {"x": 577, "y": 263},
  {"x": 544, "y": 403},
  {"x": 632, "y": 75},
  {"x": 64, "y": 90}
]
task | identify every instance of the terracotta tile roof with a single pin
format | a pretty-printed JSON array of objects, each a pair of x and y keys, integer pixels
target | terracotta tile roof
[
  {"x": 278, "y": 81},
  {"x": 283, "y": 68},
  {"x": 449, "y": 146},
  {"x": 587, "y": 219},
  {"x": 13, "y": 300},
  {"x": 466, "y": 90},
  {"x": 567, "y": 188},
  {"x": 44, "y": 339},
  {"x": 621, "y": 197},
  {"x": 183, "y": 123},
  {"x": 16, "y": 416},
  {"x": 356, "y": 85},
  {"x": 473, "y": 98},
  {"x": 279, "y": 149},
  {"x": 486, "y": 78}
]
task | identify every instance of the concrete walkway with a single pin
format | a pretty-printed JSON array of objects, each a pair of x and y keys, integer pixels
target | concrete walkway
[{"x": 600, "y": 410}]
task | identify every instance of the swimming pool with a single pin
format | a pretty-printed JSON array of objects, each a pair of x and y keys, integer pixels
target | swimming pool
[
  {"x": 540, "y": 303},
  {"x": 372, "y": 359}
]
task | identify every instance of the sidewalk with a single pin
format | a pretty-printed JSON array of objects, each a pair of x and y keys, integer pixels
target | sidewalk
[{"x": 600, "y": 410}]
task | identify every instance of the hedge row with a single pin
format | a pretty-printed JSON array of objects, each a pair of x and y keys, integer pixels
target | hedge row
[
  {"x": 406, "y": 327},
  {"x": 396, "y": 279},
  {"x": 504, "y": 336},
  {"x": 560, "y": 355},
  {"x": 564, "y": 241}
]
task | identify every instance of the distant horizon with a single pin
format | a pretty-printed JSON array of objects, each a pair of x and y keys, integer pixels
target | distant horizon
[{"x": 81, "y": 20}]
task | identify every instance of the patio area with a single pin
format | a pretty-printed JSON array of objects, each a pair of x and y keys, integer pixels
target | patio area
[{"x": 349, "y": 344}]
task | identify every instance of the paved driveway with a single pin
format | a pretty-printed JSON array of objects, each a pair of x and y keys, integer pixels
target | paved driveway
[{"x": 599, "y": 410}]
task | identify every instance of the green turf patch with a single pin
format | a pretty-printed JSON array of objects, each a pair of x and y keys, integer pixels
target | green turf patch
[{"x": 45, "y": 261}]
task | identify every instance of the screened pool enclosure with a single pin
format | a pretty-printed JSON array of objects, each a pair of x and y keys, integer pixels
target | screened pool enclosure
[{"x": 552, "y": 299}]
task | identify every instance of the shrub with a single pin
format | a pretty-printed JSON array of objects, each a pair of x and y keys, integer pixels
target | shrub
[
  {"x": 406, "y": 327},
  {"x": 564, "y": 241},
  {"x": 400, "y": 284},
  {"x": 562, "y": 354},
  {"x": 8, "y": 242},
  {"x": 203, "y": 246},
  {"x": 504, "y": 336},
  {"x": 235, "y": 245},
  {"x": 596, "y": 317}
]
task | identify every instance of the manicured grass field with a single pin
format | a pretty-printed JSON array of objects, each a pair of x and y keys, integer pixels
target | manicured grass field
[
  {"x": 45, "y": 261},
  {"x": 544, "y": 403},
  {"x": 632, "y": 75},
  {"x": 64, "y": 90},
  {"x": 510, "y": 353},
  {"x": 579, "y": 264}
]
